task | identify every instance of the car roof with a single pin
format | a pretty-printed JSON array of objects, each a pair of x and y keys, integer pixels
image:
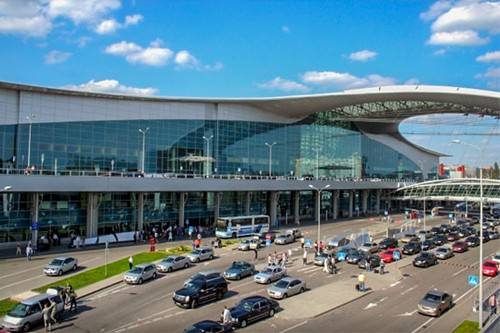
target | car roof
[
  {"x": 206, "y": 324},
  {"x": 143, "y": 265},
  {"x": 172, "y": 256},
  {"x": 436, "y": 292},
  {"x": 36, "y": 299},
  {"x": 290, "y": 279},
  {"x": 63, "y": 258},
  {"x": 208, "y": 272},
  {"x": 253, "y": 299}
]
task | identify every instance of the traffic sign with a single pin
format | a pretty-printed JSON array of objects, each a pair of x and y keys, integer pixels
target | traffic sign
[
  {"x": 308, "y": 243},
  {"x": 34, "y": 225},
  {"x": 473, "y": 280}
]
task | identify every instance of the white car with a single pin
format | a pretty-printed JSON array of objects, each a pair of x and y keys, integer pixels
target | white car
[
  {"x": 172, "y": 263},
  {"x": 496, "y": 258},
  {"x": 270, "y": 274},
  {"x": 140, "y": 273},
  {"x": 198, "y": 255},
  {"x": 284, "y": 239}
]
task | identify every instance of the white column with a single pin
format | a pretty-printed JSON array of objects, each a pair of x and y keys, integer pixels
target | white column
[
  {"x": 92, "y": 214},
  {"x": 35, "y": 201},
  {"x": 317, "y": 205},
  {"x": 273, "y": 209},
  {"x": 335, "y": 198},
  {"x": 364, "y": 201},
  {"x": 377, "y": 204},
  {"x": 351, "y": 203},
  {"x": 140, "y": 211},
  {"x": 218, "y": 199},
  {"x": 182, "y": 204},
  {"x": 248, "y": 202},
  {"x": 296, "y": 207}
]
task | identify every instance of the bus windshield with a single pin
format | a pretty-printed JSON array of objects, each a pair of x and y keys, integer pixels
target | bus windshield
[{"x": 221, "y": 225}]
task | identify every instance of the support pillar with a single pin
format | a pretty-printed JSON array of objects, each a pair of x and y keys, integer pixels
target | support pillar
[
  {"x": 364, "y": 201},
  {"x": 351, "y": 203},
  {"x": 92, "y": 214},
  {"x": 377, "y": 203},
  {"x": 35, "y": 203},
  {"x": 140, "y": 211},
  {"x": 182, "y": 204},
  {"x": 335, "y": 198},
  {"x": 218, "y": 200},
  {"x": 248, "y": 202},
  {"x": 296, "y": 207},
  {"x": 317, "y": 205},
  {"x": 273, "y": 207}
]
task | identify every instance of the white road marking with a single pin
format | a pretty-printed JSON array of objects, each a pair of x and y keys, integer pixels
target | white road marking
[
  {"x": 394, "y": 284},
  {"x": 409, "y": 289},
  {"x": 370, "y": 305},
  {"x": 294, "y": 326},
  {"x": 424, "y": 324},
  {"x": 407, "y": 314},
  {"x": 460, "y": 271}
]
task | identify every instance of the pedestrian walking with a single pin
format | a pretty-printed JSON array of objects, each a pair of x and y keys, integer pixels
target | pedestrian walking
[
  {"x": 47, "y": 309},
  {"x": 325, "y": 265},
  {"x": 492, "y": 301},
  {"x": 304, "y": 257},
  {"x": 18, "y": 249},
  {"x": 361, "y": 282},
  {"x": 72, "y": 300},
  {"x": 269, "y": 259},
  {"x": 382, "y": 266},
  {"x": 226, "y": 316},
  {"x": 170, "y": 238},
  {"x": 302, "y": 241},
  {"x": 130, "y": 262},
  {"x": 368, "y": 265},
  {"x": 256, "y": 254},
  {"x": 289, "y": 256},
  {"x": 53, "y": 312},
  {"x": 29, "y": 252},
  {"x": 334, "y": 266}
]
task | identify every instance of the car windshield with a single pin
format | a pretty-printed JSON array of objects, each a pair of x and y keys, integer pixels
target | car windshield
[
  {"x": 367, "y": 244},
  {"x": 196, "y": 252},
  {"x": 246, "y": 241},
  {"x": 136, "y": 270},
  {"x": 247, "y": 306},
  {"x": 19, "y": 311},
  {"x": 490, "y": 264},
  {"x": 432, "y": 298},
  {"x": 281, "y": 284},
  {"x": 57, "y": 262},
  {"x": 268, "y": 271},
  {"x": 193, "y": 285},
  {"x": 497, "y": 257},
  {"x": 238, "y": 264},
  {"x": 441, "y": 250},
  {"x": 169, "y": 259}
]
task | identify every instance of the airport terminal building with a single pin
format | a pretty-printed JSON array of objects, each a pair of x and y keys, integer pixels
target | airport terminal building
[{"x": 93, "y": 163}]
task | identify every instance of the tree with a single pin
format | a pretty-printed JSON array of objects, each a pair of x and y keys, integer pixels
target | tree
[{"x": 496, "y": 171}]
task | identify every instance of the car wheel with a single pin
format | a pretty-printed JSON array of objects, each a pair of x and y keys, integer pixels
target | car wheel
[
  {"x": 154, "y": 276},
  {"x": 197, "y": 259},
  {"x": 220, "y": 295},
  {"x": 302, "y": 290},
  {"x": 140, "y": 281},
  {"x": 194, "y": 303},
  {"x": 285, "y": 296},
  {"x": 243, "y": 323},
  {"x": 60, "y": 272},
  {"x": 271, "y": 312},
  {"x": 26, "y": 327},
  {"x": 74, "y": 267},
  {"x": 238, "y": 277},
  {"x": 169, "y": 270},
  {"x": 186, "y": 265},
  {"x": 438, "y": 313},
  {"x": 211, "y": 257},
  {"x": 268, "y": 281}
]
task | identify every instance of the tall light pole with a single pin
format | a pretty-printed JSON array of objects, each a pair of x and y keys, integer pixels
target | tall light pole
[
  {"x": 143, "y": 159},
  {"x": 207, "y": 139},
  {"x": 30, "y": 118},
  {"x": 318, "y": 206},
  {"x": 270, "y": 146},
  {"x": 480, "y": 230}
]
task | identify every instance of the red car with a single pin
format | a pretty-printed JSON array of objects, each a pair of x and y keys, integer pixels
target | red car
[
  {"x": 388, "y": 255},
  {"x": 490, "y": 268},
  {"x": 460, "y": 247}
]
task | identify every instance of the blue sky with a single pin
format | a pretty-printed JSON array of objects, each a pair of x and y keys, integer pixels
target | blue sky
[{"x": 257, "y": 48}]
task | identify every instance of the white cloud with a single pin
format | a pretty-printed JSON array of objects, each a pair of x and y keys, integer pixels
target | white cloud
[
  {"x": 285, "y": 85},
  {"x": 439, "y": 52},
  {"x": 82, "y": 11},
  {"x": 285, "y": 29},
  {"x": 492, "y": 73},
  {"x": 133, "y": 19},
  {"x": 56, "y": 57},
  {"x": 463, "y": 23},
  {"x": 457, "y": 38},
  {"x": 185, "y": 59},
  {"x": 153, "y": 55},
  {"x": 363, "y": 55},
  {"x": 491, "y": 76},
  {"x": 107, "y": 27},
  {"x": 35, "y": 18},
  {"x": 112, "y": 86},
  {"x": 489, "y": 57},
  {"x": 110, "y": 26},
  {"x": 345, "y": 80}
]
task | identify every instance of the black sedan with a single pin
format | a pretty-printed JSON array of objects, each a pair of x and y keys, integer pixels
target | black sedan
[
  {"x": 252, "y": 309},
  {"x": 412, "y": 248},
  {"x": 428, "y": 244},
  {"x": 372, "y": 259},
  {"x": 206, "y": 326},
  {"x": 440, "y": 240},
  {"x": 425, "y": 259},
  {"x": 472, "y": 241},
  {"x": 388, "y": 243}
]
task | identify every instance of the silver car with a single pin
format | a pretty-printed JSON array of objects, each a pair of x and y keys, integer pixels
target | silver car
[
  {"x": 249, "y": 244},
  {"x": 172, "y": 263},
  {"x": 434, "y": 303},
  {"x": 140, "y": 273},
  {"x": 285, "y": 287},
  {"x": 284, "y": 239},
  {"x": 369, "y": 247},
  {"x": 270, "y": 274},
  {"x": 198, "y": 255},
  {"x": 28, "y": 313},
  {"x": 61, "y": 265},
  {"x": 443, "y": 253}
]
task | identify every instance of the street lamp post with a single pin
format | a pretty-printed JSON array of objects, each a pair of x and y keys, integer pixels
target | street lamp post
[
  {"x": 270, "y": 146},
  {"x": 318, "y": 207},
  {"x": 30, "y": 120},
  {"x": 143, "y": 159},
  {"x": 207, "y": 139},
  {"x": 480, "y": 231}
]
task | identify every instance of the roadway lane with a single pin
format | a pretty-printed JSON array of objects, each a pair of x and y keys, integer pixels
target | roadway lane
[{"x": 136, "y": 308}]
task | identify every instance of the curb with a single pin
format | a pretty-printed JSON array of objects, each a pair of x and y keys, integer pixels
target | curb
[
  {"x": 99, "y": 289},
  {"x": 341, "y": 305}
]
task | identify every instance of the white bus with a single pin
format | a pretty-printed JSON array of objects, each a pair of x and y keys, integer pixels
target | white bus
[{"x": 240, "y": 226}]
